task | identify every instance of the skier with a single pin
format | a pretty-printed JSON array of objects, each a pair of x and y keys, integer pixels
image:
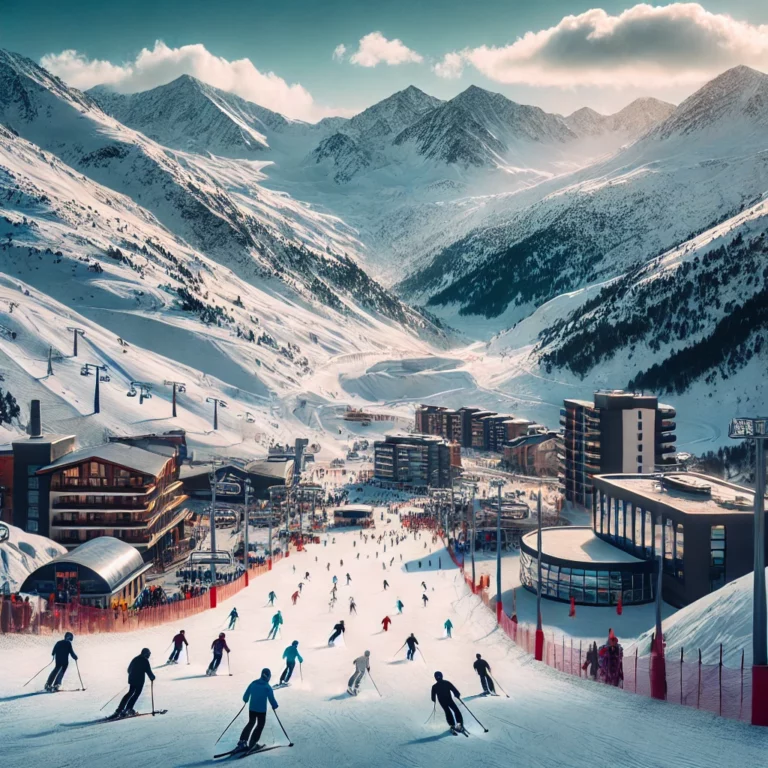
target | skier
[
  {"x": 425, "y": 599},
  {"x": 295, "y": 596},
  {"x": 362, "y": 665},
  {"x": 337, "y": 630},
  {"x": 448, "y": 626},
  {"x": 411, "y": 642},
  {"x": 290, "y": 654},
  {"x": 400, "y": 606},
  {"x": 352, "y": 606},
  {"x": 218, "y": 646},
  {"x": 256, "y": 695},
  {"x": 277, "y": 620},
  {"x": 334, "y": 580},
  {"x": 483, "y": 668},
  {"x": 442, "y": 691},
  {"x": 306, "y": 576},
  {"x": 385, "y": 622},
  {"x": 333, "y": 590},
  {"x": 611, "y": 661},
  {"x": 138, "y": 669},
  {"x": 386, "y": 584},
  {"x": 424, "y": 585},
  {"x": 61, "y": 652},
  {"x": 179, "y": 641},
  {"x": 349, "y": 578},
  {"x": 301, "y": 586},
  {"x": 272, "y": 597},
  {"x": 233, "y": 617}
]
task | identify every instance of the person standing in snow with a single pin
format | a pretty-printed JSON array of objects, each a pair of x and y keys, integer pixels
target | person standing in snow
[
  {"x": 425, "y": 599},
  {"x": 277, "y": 620},
  {"x": 386, "y": 584},
  {"x": 443, "y": 691},
  {"x": 424, "y": 585},
  {"x": 306, "y": 576},
  {"x": 179, "y": 641},
  {"x": 218, "y": 646},
  {"x": 349, "y": 578},
  {"x": 272, "y": 596},
  {"x": 400, "y": 606},
  {"x": 611, "y": 660},
  {"x": 352, "y": 606},
  {"x": 61, "y": 652},
  {"x": 295, "y": 596},
  {"x": 233, "y": 617},
  {"x": 301, "y": 586},
  {"x": 411, "y": 642},
  {"x": 290, "y": 654},
  {"x": 258, "y": 693},
  {"x": 448, "y": 626},
  {"x": 483, "y": 668},
  {"x": 138, "y": 670},
  {"x": 338, "y": 629},
  {"x": 362, "y": 665},
  {"x": 385, "y": 622}
]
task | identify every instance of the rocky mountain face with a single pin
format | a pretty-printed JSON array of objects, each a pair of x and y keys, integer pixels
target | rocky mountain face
[
  {"x": 630, "y": 123},
  {"x": 392, "y": 115}
]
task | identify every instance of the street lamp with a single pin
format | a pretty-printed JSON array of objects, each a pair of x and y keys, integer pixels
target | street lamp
[
  {"x": 144, "y": 392},
  {"x": 85, "y": 370},
  {"x": 178, "y": 386},
  {"x": 75, "y": 333},
  {"x": 757, "y": 430},
  {"x": 499, "y": 484},
  {"x": 216, "y": 403}
]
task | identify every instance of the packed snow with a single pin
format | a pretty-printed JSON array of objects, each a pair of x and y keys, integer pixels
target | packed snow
[{"x": 23, "y": 553}]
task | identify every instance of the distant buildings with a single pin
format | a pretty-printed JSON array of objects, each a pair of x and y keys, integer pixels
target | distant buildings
[
  {"x": 416, "y": 460},
  {"x": 618, "y": 432}
]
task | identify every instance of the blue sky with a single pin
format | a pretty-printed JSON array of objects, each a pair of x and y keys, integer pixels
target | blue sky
[{"x": 667, "y": 53}]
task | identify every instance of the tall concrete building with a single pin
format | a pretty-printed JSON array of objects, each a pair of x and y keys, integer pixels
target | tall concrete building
[
  {"x": 415, "y": 460},
  {"x": 620, "y": 432}
]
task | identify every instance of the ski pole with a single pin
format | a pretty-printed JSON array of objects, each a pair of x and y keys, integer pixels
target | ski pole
[
  {"x": 423, "y": 657},
  {"x": 152, "y": 694},
  {"x": 37, "y": 673},
  {"x": 398, "y": 650},
  {"x": 500, "y": 688},
  {"x": 233, "y": 720},
  {"x": 274, "y": 712},
  {"x": 77, "y": 666},
  {"x": 473, "y": 714},
  {"x": 434, "y": 710},
  {"x": 374, "y": 684},
  {"x": 229, "y": 666},
  {"x": 301, "y": 674},
  {"x": 186, "y": 648},
  {"x": 112, "y": 699}
]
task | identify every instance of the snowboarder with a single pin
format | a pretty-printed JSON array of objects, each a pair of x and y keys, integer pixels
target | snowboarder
[
  {"x": 386, "y": 584},
  {"x": 290, "y": 654},
  {"x": 400, "y": 606},
  {"x": 425, "y": 599},
  {"x": 272, "y": 597},
  {"x": 277, "y": 620},
  {"x": 385, "y": 622},
  {"x": 352, "y": 606},
  {"x": 362, "y": 665},
  {"x": 338, "y": 629},
  {"x": 448, "y": 626},
  {"x": 61, "y": 652},
  {"x": 411, "y": 642},
  {"x": 295, "y": 596},
  {"x": 233, "y": 617},
  {"x": 258, "y": 693},
  {"x": 179, "y": 641},
  {"x": 218, "y": 646},
  {"x": 483, "y": 668},
  {"x": 138, "y": 669},
  {"x": 349, "y": 578},
  {"x": 444, "y": 691}
]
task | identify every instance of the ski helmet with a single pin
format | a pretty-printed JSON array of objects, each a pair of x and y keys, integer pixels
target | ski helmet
[
  {"x": 69, "y": 636},
  {"x": 367, "y": 653},
  {"x": 295, "y": 643},
  {"x": 477, "y": 655},
  {"x": 266, "y": 673},
  {"x": 146, "y": 653},
  {"x": 221, "y": 635},
  {"x": 181, "y": 631},
  {"x": 438, "y": 675}
]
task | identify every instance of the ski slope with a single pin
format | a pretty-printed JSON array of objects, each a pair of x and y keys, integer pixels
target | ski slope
[{"x": 549, "y": 721}]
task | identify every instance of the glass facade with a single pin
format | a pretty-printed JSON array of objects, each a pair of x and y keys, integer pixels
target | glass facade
[{"x": 717, "y": 557}]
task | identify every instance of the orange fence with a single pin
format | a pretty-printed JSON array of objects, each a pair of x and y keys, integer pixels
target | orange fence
[
  {"x": 87, "y": 620},
  {"x": 715, "y": 688}
]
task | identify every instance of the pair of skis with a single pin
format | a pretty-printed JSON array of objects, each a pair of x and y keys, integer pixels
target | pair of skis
[
  {"x": 241, "y": 753},
  {"x": 456, "y": 731},
  {"x": 112, "y": 719}
]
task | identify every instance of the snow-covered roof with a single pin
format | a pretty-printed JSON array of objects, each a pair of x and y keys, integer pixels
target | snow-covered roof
[
  {"x": 578, "y": 544},
  {"x": 127, "y": 456}
]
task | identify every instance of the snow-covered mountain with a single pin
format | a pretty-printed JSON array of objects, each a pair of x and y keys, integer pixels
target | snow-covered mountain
[
  {"x": 629, "y": 123},
  {"x": 389, "y": 117},
  {"x": 702, "y": 164}
]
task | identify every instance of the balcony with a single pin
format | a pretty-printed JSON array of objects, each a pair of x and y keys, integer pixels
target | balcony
[
  {"x": 57, "y": 505},
  {"x": 130, "y": 484}
]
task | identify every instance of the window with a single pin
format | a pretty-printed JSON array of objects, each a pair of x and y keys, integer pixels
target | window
[
  {"x": 639, "y": 415},
  {"x": 640, "y": 447},
  {"x": 657, "y": 539},
  {"x": 32, "y": 526},
  {"x": 638, "y": 528},
  {"x": 669, "y": 546},
  {"x": 717, "y": 557},
  {"x": 679, "y": 552},
  {"x": 33, "y": 497},
  {"x": 648, "y": 534},
  {"x": 640, "y": 455}
]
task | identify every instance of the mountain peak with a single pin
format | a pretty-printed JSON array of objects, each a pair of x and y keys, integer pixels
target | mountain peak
[{"x": 394, "y": 114}]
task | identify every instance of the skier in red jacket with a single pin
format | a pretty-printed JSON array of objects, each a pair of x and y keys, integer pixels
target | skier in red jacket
[
  {"x": 295, "y": 596},
  {"x": 218, "y": 647},
  {"x": 385, "y": 622}
]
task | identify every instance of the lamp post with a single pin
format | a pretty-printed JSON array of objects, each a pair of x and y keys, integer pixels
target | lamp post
[
  {"x": 97, "y": 368},
  {"x": 539, "y": 648},
  {"x": 178, "y": 386},
  {"x": 498, "y": 484},
  {"x": 756, "y": 429},
  {"x": 75, "y": 333},
  {"x": 216, "y": 403}
]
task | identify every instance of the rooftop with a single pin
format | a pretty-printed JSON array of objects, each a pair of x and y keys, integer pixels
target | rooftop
[
  {"x": 578, "y": 544},
  {"x": 126, "y": 456},
  {"x": 722, "y": 493}
]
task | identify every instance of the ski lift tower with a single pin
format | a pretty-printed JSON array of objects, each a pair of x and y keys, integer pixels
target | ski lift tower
[
  {"x": 216, "y": 403},
  {"x": 85, "y": 370},
  {"x": 178, "y": 386},
  {"x": 756, "y": 429},
  {"x": 75, "y": 333}
]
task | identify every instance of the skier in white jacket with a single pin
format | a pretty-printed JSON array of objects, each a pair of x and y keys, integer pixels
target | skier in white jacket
[{"x": 362, "y": 665}]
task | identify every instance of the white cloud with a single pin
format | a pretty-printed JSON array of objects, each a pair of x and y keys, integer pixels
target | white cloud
[
  {"x": 375, "y": 49},
  {"x": 161, "y": 64},
  {"x": 450, "y": 67},
  {"x": 339, "y": 51},
  {"x": 648, "y": 46}
]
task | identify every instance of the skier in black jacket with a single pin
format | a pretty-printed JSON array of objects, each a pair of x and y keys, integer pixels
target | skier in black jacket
[
  {"x": 442, "y": 691},
  {"x": 411, "y": 642},
  {"x": 337, "y": 630},
  {"x": 61, "y": 653},
  {"x": 483, "y": 668},
  {"x": 138, "y": 669}
]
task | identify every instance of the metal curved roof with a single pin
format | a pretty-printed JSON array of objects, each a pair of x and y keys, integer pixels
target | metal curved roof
[{"x": 109, "y": 558}]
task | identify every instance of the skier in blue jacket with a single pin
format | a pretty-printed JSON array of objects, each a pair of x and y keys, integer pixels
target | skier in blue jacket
[
  {"x": 258, "y": 693},
  {"x": 290, "y": 654}
]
